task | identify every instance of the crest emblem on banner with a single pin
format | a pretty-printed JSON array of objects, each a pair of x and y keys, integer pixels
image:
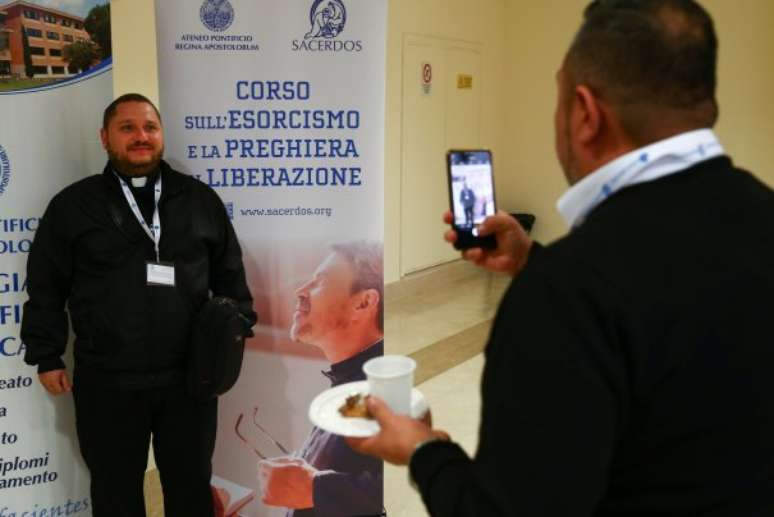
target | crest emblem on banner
[
  {"x": 216, "y": 15},
  {"x": 328, "y": 18},
  {"x": 5, "y": 170}
]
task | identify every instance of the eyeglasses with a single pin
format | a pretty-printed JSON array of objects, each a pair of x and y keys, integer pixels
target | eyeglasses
[{"x": 261, "y": 430}]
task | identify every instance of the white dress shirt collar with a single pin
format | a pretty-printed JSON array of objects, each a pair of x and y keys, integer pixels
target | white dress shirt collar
[{"x": 669, "y": 156}]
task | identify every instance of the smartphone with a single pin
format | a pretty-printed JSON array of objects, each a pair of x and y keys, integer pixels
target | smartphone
[{"x": 471, "y": 195}]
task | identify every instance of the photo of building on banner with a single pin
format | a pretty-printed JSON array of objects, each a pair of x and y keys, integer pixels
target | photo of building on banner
[
  {"x": 41, "y": 43},
  {"x": 282, "y": 114}
]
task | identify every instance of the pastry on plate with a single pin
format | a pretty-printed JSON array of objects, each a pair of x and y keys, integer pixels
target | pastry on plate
[{"x": 355, "y": 407}]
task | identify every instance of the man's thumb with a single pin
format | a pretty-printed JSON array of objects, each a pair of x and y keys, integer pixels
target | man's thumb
[
  {"x": 378, "y": 409},
  {"x": 490, "y": 225}
]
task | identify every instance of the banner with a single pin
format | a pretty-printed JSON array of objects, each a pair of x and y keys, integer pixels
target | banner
[
  {"x": 55, "y": 79},
  {"x": 279, "y": 106}
]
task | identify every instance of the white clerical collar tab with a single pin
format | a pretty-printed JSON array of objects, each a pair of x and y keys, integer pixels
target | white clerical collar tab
[{"x": 140, "y": 181}]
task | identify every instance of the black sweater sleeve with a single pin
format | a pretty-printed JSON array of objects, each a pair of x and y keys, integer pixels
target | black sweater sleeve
[
  {"x": 553, "y": 392},
  {"x": 45, "y": 327}
]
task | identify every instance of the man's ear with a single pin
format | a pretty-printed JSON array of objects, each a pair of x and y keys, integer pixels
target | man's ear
[
  {"x": 367, "y": 300},
  {"x": 104, "y": 137},
  {"x": 587, "y": 115}
]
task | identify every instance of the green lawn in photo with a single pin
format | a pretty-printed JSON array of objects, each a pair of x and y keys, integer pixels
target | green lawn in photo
[{"x": 7, "y": 84}]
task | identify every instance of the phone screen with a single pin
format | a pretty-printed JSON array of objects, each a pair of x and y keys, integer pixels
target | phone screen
[{"x": 471, "y": 188}]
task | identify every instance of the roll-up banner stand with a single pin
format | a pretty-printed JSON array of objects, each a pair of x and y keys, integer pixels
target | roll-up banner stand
[
  {"x": 278, "y": 105},
  {"x": 55, "y": 80}
]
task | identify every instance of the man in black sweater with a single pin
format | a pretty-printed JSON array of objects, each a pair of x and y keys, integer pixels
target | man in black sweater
[{"x": 628, "y": 372}]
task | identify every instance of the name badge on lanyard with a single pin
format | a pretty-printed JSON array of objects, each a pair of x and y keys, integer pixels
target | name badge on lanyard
[
  {"x": 157, "y": 273},
  {"x": 161, "y": 273}
]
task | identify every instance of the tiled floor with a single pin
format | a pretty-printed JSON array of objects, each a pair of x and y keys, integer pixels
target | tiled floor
[
  {"x": 421, "y": 319},
  {"x": 443, "y": 324},
  {"x": 456, "y": 411}
]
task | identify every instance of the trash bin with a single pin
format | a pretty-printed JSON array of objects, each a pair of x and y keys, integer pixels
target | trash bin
[{"x": 525, "y": 220}]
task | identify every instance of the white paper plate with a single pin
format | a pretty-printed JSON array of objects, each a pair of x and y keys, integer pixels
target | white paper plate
[{"x": 324, "y": 411}]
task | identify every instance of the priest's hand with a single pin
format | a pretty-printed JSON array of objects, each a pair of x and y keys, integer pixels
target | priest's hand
[{"x": 56, "y": 382}]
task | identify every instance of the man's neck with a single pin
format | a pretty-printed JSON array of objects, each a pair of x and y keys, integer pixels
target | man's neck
[{"x": 343, "y": 347}]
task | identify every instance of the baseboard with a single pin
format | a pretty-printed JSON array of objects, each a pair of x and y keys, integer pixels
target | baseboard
[{"x": 415, "y": 283}]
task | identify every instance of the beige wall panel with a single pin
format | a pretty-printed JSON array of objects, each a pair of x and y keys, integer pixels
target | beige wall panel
[
  {"x": 434, "y": 120},
  {"x": 424, "y": 116},
  {"x": 481, "y": 21},
  {"x": 530, "y": 180},
  {"x": 746, "y": 82},
  {"x": 135, "y": 68},
  {"x": 463, "y": 105}
]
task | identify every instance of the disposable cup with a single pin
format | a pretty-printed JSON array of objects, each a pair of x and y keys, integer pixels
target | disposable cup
[{"x": 391, "y": 378}]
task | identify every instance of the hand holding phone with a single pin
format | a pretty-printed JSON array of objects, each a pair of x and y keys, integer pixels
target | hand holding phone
[
  {"x": 513, "y": 244},
  {"x": 471, "y": 196}
]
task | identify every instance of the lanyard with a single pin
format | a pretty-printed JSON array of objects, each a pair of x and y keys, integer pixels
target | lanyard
[{"x": 153, "y": 232}]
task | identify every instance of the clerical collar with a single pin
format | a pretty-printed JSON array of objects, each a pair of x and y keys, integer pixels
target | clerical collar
[
  {"x": 139, "y": 181},
  {"x": 351, "y": 369}
]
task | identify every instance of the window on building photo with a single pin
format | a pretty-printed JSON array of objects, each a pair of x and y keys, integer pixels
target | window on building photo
[
  {"x": 5, "y": 68},
  {"x": 66, "y": 23},
  {"x": 37, "y": 51},
  {"x": 78, "y": 25},
  {"x": 52, "y": 35},
  {"x": 50, "y": 18},
  {"x": 55, "y": 52},
  {"x": 34, "y": 33},
  {"x": 40, "y": 70},
  {"x": 32, "y": 15},
  {"x": 58, "y": 70},
  {"x": 68, "y": 38}
]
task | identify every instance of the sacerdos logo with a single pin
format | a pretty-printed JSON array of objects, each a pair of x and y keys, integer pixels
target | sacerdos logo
[
  {"x": 327, "y": 19},
  {"x": 5, "y": 170},
  {"x": 216, "y": 15}
]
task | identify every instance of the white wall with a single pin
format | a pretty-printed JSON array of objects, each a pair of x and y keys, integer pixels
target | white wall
[
  {"x": 479, "y": 22},
  {"x": 135, "y": 68},
  {"x": 746, "y": 82}
]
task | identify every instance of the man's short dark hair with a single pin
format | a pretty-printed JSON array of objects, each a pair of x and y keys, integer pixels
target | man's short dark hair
[
  {"x": 367, "y": 260},
  {"x": 653, "y": 61},
  {"x": 110, "y": 111}
]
